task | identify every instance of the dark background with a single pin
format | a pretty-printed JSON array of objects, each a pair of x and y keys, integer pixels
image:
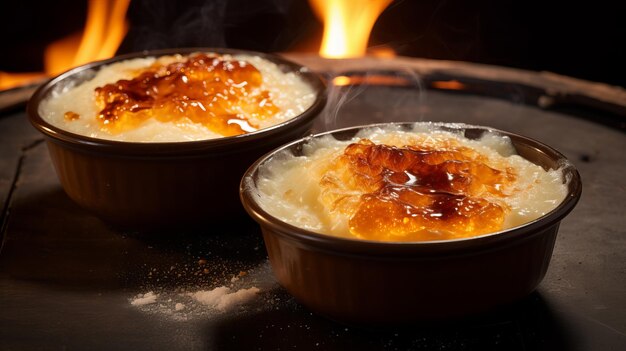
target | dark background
[{"x": 580, "y": 39}]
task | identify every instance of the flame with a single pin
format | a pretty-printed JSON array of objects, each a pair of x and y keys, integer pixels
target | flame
[
  {"x": 448, "y": 85},
  {"x": 103, "y": 33},
  {"x": 347, "y": 25},
  {"x": 382, "y": 52},
  {"x": 10, "y": 80},
  {"x": 370, "y": 79}
]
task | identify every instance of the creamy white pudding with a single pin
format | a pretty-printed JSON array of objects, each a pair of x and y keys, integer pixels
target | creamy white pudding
[
  {"x": 179, "y": 98},
  {"x": 423, "y": 184}
]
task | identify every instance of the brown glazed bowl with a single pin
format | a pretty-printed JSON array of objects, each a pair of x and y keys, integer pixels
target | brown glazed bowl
[
  {"x": 381, "y": 283},
  {"x": 148, "y": 186}
]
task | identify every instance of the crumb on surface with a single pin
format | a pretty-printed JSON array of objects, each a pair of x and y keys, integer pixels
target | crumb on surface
[
  {"x": 221, "y": 298},
  {"x": 144, "y": 299}
]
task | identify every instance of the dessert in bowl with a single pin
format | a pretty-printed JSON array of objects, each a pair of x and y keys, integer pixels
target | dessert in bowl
[
  {"x": 403, "y": 222},
  {"x": 159, "y": 139}
]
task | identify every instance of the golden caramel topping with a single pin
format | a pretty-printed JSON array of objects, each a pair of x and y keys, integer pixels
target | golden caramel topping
[
  {"x": 221, "y": 94},
  {"x": 71, "y": 116},
  {"x": 415, "y": 193}
]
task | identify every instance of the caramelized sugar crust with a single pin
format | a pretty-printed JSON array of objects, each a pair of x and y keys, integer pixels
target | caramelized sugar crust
[
  {"x": 415, "y": 193},
  {"x": 221, "y": 94}
]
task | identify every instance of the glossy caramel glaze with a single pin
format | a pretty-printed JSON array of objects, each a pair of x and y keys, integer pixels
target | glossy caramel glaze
[
  {"x": 71, "y": 116},
  {"x": 415, "y": 193},
  {"x": 223, "y": 95}
]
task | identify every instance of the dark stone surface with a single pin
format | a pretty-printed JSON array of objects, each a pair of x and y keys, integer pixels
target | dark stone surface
[{"x": 66, "y": 277}]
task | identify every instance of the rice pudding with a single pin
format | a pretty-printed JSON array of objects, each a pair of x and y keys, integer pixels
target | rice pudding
[
  {"x": 179, "y": 98},
  {"x": 392, "y": 184}
]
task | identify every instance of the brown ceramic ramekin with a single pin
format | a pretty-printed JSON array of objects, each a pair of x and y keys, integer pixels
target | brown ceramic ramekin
[
  {"x": 149, "y": 186},
  {"x": 359, "y": 281}
]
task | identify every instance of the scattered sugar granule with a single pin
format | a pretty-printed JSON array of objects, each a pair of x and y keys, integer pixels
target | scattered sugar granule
[
  {"x": 210, "y": 297},
  {"x": 144, "y": 299},
  {"x": 179, "y": 307},
  {"x": 222, "y": 299},
  {"x": 234, "y": 299}
]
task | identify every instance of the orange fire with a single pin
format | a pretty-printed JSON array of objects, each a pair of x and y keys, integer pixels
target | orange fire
[
  {"x": 347, "y": 25},
  {"x": 103, "y": 33},
  {"x": 370, "y": 79},
  {"x": 448, "y": 85}
]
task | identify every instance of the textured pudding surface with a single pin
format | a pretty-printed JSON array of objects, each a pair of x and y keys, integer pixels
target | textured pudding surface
[
  {"x": 396, "y": 185},
  {"x": 179, "y": 98}
]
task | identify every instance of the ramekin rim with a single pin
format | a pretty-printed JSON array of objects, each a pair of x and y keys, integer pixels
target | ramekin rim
[
  {"x": 326, "y": 241},
  {"x": 81, "y": 141}
]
